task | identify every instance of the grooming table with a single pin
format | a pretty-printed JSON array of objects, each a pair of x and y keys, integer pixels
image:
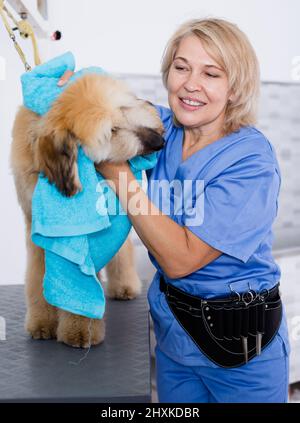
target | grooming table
[{"x": 118, "y": 370}]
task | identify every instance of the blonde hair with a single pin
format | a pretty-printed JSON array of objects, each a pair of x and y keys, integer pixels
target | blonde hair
[{"x": 232, "y": 50}]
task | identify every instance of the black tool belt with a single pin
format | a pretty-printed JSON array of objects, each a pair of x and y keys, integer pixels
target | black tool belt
[{"x": 229, "y": 331}]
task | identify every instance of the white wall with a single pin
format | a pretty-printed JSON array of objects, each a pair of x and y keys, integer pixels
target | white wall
[{"x": 129, "y": 36}]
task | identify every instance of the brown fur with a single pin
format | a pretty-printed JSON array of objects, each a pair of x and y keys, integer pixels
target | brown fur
[{"x": 110, "y": 123}]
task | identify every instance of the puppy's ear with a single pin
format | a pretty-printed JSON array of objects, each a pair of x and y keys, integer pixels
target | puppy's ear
[{"x": 56, "y": 157}]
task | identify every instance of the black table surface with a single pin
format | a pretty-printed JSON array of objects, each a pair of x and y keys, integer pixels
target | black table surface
[{"x": 118, "y": 370}]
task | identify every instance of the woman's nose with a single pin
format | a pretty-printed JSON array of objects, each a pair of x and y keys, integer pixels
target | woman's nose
[{"x": 193, "y": 84}]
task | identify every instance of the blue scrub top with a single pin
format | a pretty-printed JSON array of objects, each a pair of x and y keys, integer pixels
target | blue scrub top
[{"x": 227, "y": 195}]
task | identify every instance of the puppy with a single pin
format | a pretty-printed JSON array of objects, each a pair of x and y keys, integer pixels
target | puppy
[{"x": 110, "y": 123}]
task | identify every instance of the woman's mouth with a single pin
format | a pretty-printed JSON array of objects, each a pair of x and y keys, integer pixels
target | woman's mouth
[{"x": 191, "y": 105}]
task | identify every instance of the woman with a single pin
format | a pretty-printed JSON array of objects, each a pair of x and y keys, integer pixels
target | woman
[{"x": 212, "y": 240}]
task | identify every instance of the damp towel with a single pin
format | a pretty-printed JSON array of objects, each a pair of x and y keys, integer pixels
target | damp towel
[
  {"x": 80, "y": 234},
  {"x": 39, "y": 86}
]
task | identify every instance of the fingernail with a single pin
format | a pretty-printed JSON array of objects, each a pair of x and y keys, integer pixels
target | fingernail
[{"x": 60, "y": 83}]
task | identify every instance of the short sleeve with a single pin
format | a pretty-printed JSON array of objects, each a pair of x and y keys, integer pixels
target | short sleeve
[{"x": 238, "y": 206}]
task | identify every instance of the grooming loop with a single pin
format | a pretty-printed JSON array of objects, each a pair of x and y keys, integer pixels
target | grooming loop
[{"x": 25, "y": 31}]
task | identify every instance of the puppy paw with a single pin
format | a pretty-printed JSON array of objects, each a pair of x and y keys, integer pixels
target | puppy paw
[
  {"x": 78, "y": 331},
  {"x": 124, "y": 290},
  {"x": 40, "y": 328}
]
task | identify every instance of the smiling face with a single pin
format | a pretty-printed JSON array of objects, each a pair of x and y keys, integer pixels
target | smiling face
[{"x": 198, "y": 89}]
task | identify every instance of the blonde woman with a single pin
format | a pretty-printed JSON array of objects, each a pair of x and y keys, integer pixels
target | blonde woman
[{"x": 220, "y": 329}]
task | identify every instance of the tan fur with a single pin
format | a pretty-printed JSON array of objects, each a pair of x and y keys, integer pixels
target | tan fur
[{"x": 110, "y": 123}]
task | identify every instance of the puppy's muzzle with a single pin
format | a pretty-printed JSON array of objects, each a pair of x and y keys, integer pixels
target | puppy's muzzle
[{"x": 151, "y": 140}]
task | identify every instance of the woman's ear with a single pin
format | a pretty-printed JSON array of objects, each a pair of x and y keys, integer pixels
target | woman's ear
[
  {"x": 55, "y": 156},
  {"x": 232, "y": 98}
]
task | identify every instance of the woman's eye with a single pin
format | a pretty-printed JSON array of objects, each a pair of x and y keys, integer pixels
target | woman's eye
[
  {"x": 180, "y": 68},
  {"x": 211, "y": 75}
]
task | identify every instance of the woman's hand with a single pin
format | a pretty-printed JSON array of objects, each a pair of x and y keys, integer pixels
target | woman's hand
[
  {"x": 65, "y": 78},
  {"x": 111, "y": 170}
]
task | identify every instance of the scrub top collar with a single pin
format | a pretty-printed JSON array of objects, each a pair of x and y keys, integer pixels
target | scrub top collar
[{"x": 179, "y": 168}]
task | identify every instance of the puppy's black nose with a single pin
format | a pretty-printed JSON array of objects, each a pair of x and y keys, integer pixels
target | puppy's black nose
[{"x": 150, "y": 139}]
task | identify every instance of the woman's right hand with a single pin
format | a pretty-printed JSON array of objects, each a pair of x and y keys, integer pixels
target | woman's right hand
[{"x": 65, "y": 78}]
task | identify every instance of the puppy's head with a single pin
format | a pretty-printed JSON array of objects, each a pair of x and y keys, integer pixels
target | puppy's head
[{"x": 105, "y": 118}]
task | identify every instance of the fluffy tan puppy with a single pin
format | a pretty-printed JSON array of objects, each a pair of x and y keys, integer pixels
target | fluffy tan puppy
[{"x": 110, "y": 123}]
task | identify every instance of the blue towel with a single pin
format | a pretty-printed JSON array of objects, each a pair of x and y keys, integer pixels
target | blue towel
[
  {"x": 79, "y": 234},
  {"x": 39, "y": 86}
]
